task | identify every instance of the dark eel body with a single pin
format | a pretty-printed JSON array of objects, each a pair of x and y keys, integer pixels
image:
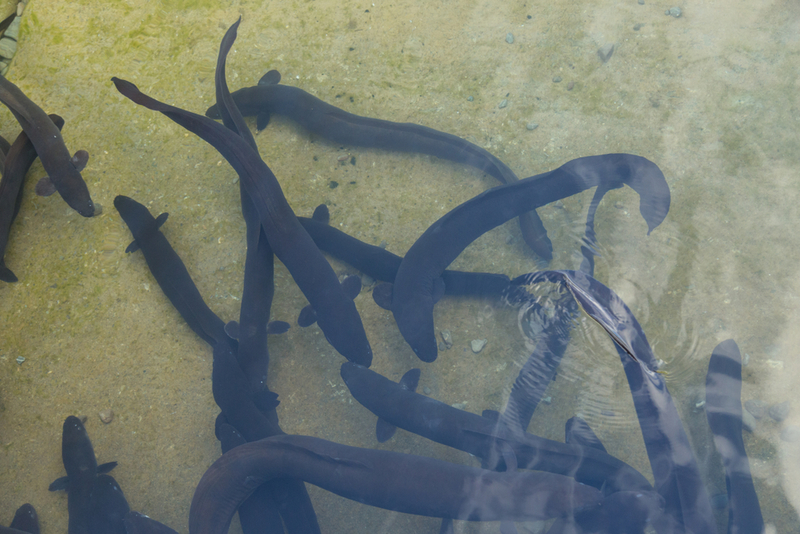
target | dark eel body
[
  {"x": 62, "y": 169},
  {"x": 419, "y": 485},
  {"x": 339, "y": 126},
  {"x": 19, "y": 158},
  {"x": 418, "y": 283},
  {"x": 724, "y": 412}
]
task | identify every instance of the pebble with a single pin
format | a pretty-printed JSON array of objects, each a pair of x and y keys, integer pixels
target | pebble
[
  {"x": 532, "y": 126},
  {"x": 20, "y": 359},
  {"x": 674, "y": 12},
  {"x": 719, "y": 501},
  {"x": 426, "y": 390},
  {"x": 478, "y": 344},
  {"x": 470, "y": 99},
  {"x": 547, "y": 400},
  {"x": 447, "y": 338},
  {"x": 641, "y": 2},
  {"x": 745, "y": 359},
  {"x": 637, "y": 27},
  {"x": 570, "y": 86},
  {"x": 106, "y": 416},
  {"x": 459, "y": 405},
  {"x": 605, "y": 52},
  {"x": 779, "y": 412},
  {"x": 757, "y": 408},
  {"x": 557, "y": 79},
  {"x": 510, "y": 38},
  {"x": 748, "y": 421},
  {"x": 503, "y": 104},
  {"x": 791, "y": 434}
]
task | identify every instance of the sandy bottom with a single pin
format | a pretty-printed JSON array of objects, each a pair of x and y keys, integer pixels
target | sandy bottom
[{"x": 711, "y": 97}]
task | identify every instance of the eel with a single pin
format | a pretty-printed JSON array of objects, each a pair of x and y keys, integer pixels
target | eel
[
  {"x": 677, "y": 476},
  {"x": 259, "y": 268},
  {"x": 394, "y": 481},
  {"x": 382, "y": 265},
  {"x": 724, "y": 413},
  {"x": 19, "y": 158},
  {"x": 25, "y": 520},
  {"x": 418, "y": 284},
  {"x": 168, "y": 269},
  {"x": 327, "y": 121},
  {"x": 136, "y": 523},
  {"x": 336, "y": 313},
  {"x": 400, "y": 406},
  {"x": 95, "y": 501},
  {"x": 63, "y": 170}
]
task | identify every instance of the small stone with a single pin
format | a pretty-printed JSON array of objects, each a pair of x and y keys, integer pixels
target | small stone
[
  {"x": 20, "y": 359},
  {"x": 447, "y": 338},
  {"x": 748, "y": 421},
  {"x": 570, "y": 86},
  {"x": 674, "y": 12},
  {"x": 510, "y": 38},
  {"x": 426, "y": 390},
  {"x": 637, "y": 27},
  {"x": 547, "y": 400},
  {"x": 503, "y": 104},
  {"x": 532, "y": 126},
  {"x": 470, "y": 99},
  {"x": 779, "y": 412},
  {"x": 791, "y": 434},
  {"x": 459, "y": 405},
  {"x": 757, "y": 408},
  {"x": 106, "y": 416},
  {"x": 605, "y": 52},
  {"x": 719, "y": 501},
  {"x": 478, "y": 344},
  {"x": 557, "y": 79},
  {"x": 619, "y": 205},
  {"x": 641, "y": 2},
  {"x": 745, "y": 359}
]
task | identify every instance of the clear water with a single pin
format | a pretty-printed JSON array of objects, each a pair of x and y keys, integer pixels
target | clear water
[{"x": 711, "y": 97}]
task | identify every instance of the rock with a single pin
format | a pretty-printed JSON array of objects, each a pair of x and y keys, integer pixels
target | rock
[
  {"x": 510, "y": 38},
  {"x": 531, "y": 126},
  {"x": 748, "y": 421},
  {"x": 757, "y": 408},
  {"x": 605, "y": 52},
  {"x": 478, "y": 344},
  {"x": 447, "y": 338},
  {"x": 791, "y": 434},
  {"x": 674, "y": 12},
  {"x": 779, "y": 412},
  {"x": 106, "y": 416}
]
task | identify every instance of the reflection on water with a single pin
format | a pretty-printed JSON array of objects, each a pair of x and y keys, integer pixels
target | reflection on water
[{"x": 711, "y": 97}]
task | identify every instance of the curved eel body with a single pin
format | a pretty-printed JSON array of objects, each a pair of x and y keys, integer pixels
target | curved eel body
[
  {"x": 18, "y": 159},
  {"x": 419, "y": 485},
  {"x": 62, "y": 169},
  {"x": 339, "y": 126},
  {"x": 418, "y": 282}
]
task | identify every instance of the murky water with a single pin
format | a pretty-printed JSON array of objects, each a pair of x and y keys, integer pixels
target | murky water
[{"x": 711, "y": 97}]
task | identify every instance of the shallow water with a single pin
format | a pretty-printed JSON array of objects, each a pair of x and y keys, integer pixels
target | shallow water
[{"x": 711, "y": 97}]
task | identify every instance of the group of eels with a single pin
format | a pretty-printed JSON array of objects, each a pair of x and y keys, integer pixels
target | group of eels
[{"x": 262, "y": 470}]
